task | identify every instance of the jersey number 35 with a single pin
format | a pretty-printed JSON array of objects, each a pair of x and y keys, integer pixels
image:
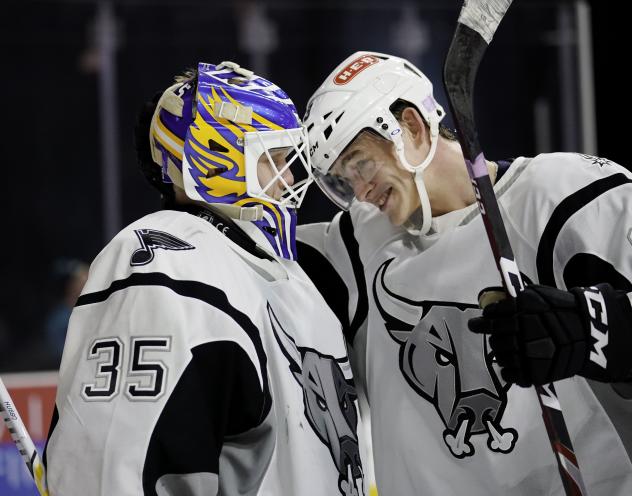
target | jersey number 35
[{"x": 145, "y": 378}]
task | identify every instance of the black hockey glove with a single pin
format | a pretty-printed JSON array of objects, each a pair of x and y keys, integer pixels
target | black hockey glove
[{"x": 547, "y": 334}]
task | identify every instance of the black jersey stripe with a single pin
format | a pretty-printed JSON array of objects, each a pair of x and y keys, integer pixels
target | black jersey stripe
[
  {"x": 564, "y": 211},
  {"x": 587, "y": 269},
  {"x": 200, "y": 291},
  {"x": 353, "y": 249},
  {"x": 217, "y": 398},
  {"x": 326, "y": 279},
  {"x": 53, "y": 423}
]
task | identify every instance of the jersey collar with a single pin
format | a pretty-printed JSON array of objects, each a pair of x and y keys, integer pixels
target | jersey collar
[{"x": 226, "y": 226}]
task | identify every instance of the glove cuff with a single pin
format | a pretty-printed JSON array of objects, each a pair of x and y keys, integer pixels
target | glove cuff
[{"x": 607, "y": 315}]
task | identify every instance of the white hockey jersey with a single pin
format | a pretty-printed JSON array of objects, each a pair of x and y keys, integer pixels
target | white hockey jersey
[
  {"x": 194, "y": 367},
  {"x": 443, "y": 420}
]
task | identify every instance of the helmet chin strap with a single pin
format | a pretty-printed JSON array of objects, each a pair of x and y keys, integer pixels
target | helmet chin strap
[
  {"x": 426, "y": 212},
  {"x": 418, "y": 171},
  {"x": 240, "y": 213}
]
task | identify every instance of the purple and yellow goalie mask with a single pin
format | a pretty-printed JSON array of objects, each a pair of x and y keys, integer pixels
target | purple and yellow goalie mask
[{"x": 235, "y": 140}]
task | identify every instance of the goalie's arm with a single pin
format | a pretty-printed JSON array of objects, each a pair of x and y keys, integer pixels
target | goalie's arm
[{"x": 218, "y": 395}]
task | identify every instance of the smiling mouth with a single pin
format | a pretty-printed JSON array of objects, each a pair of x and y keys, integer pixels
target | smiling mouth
[{"x": 381, "y": 201}]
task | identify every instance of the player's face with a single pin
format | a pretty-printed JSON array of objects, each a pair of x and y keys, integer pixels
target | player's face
[
  {"x": 371, "y": 166},
  {"x": 267, "y": 172}
]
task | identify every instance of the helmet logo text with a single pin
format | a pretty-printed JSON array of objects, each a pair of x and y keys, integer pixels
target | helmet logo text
[{"x": 355, "y": 68}]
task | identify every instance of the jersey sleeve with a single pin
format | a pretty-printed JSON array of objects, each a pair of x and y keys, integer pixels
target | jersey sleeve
[
  {"x": 587, "y": 238},
  {"x": 157, "y": 375},
  {"x": 329, "y": 254},
  {"x": 217, "y": 396},
  {"x": 581, "y": 216}
]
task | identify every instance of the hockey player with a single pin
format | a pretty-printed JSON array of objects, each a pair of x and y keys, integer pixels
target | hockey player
[
  {"x": 406, "y": 260},
  {"x": 200, "y": 359}
]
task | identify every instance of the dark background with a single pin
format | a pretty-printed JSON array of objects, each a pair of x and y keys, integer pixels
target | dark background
[{"x": 52, "y": 197}]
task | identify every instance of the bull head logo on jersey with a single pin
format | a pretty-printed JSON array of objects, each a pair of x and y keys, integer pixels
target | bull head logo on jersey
[
  {"x": 448, "y": 366},
  {"x": 329, "y": 397}
]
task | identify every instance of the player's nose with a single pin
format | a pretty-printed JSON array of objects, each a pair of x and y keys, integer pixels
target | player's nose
[{"x": 288, "y": 176}]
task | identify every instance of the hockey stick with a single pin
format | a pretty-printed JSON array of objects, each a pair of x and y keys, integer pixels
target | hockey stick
[
  {"x": 22, "y": 440},
  {"x": 476, "y": 26}
]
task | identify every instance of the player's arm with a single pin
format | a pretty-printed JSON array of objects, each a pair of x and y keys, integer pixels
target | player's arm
[
  {"x": 209, "y": 384},
  {"x": 218, "y": 395},
  {"x": 550, "y": 332},
  {"x": 330, "y": 256}
]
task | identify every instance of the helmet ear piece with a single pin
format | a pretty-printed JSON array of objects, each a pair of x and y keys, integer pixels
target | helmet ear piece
[{"x": 149, "y": 168}]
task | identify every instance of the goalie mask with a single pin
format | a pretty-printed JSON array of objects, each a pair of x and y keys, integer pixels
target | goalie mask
[
  {"x": 357, "y": 96},
  {"x": 233, "y": 140}
]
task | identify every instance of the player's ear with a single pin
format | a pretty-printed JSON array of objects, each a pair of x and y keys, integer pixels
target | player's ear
[{"x": 415, "y": 124}]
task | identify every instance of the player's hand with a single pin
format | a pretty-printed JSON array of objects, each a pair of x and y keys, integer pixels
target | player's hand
[{"x": 547, "y": 334}]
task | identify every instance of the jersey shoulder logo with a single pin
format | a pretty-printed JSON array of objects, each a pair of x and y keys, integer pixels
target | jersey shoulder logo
[
  {"x": 329, "y": 399},
  {"x": 448, "y": 366},
  {"x": 151, "y": 240},
  {"x": 601, "y": 162}
]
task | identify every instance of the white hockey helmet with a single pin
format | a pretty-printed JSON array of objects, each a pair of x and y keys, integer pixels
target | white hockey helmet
[{"x": 356, "y": 96}]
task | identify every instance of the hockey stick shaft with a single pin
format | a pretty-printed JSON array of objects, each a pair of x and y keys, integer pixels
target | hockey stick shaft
[
  {"x": 476, "y": 26},
  {"x": 22, "y": 440}
]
